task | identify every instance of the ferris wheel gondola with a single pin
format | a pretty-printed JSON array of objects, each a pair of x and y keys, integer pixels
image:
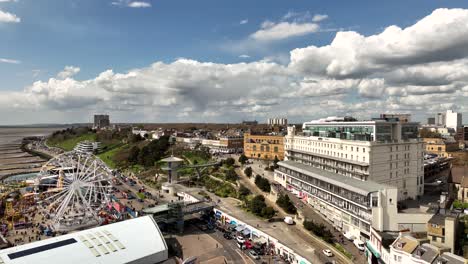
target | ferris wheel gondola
[{"x": 72, "y": 188}]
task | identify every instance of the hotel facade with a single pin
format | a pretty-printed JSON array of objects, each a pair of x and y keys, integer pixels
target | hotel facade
[{"x": 354, "y": 173}]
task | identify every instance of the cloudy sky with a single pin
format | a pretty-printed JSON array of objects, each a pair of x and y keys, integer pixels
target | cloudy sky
[{"x": 225, "y": 61}]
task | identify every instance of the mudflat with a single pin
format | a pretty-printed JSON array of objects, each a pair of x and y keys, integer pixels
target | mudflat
[{"x": 12, "y": 159}]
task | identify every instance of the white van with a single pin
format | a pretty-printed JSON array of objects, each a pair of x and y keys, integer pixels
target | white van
[
  {"x": 288, "y": 220},
  {"x": 359, "y": 244}
]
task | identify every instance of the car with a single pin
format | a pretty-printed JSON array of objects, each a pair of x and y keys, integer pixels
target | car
[
  {"x": 240, "y": 239},
  {"x": 254, "y": 254},
  {"x": 241, "y": 246},
  {"x": 359, "y": 244},
  {"x": 227, "y": 236},
  {"x": 327, "y": 252}
]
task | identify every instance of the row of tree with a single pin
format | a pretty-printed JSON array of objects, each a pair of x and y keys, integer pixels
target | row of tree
[
  {"x": 262, "y": 183},
  {"x": 150, "y": 153},
  {"x": 258, "y": 207},
  {"x": 319, "y": 230},
  {"x": 284, "y": 202}
]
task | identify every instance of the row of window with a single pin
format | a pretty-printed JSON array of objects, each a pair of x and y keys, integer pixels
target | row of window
[
  {"x": 352, "y": 196},
  {"x": 326, "y": 145},
  {"x": 264, "y": 148}
]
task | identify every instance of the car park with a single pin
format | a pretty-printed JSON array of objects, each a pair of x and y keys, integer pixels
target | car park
[{"x": 327, "y": 252}]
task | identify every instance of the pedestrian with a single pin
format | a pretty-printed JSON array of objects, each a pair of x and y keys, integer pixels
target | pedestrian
[{"x": 216, "y": 245}]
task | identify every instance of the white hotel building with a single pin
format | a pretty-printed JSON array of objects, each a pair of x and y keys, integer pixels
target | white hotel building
[{"x": 355, "y": 172}]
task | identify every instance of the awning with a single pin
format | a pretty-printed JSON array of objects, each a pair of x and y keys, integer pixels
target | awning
[
  {"x": 240, "y": 228},
  {"x": 261, "y": 240},
  {"x": 371, "y": 249},
  {"x": 246, "y": 232},
  {"x": 233, "y": 222}
]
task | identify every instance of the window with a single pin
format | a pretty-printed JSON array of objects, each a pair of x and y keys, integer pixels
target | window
[
  {"x": 442, "y": 240},
  {"x": 275, "y": 149},
  {"x": 254, "y": 148},
  {"x": 433, "y": 238}
]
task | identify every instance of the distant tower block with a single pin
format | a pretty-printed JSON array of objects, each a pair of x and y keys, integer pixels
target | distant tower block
[{"x": 172, "y": 164}]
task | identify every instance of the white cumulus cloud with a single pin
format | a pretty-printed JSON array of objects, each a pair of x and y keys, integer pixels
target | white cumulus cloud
[
  {"x": 398, "y": 69},
  {"x": 6, "y": 17},
  {"x": 271, "y": 31},
  {"x": 319, "y": 17},
  {"x": 68, "y": 72}
]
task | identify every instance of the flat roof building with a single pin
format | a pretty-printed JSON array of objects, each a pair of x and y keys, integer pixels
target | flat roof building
[{"x": 135, "y": 241}]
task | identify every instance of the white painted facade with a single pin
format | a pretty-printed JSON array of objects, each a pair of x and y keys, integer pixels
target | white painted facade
[
  {"x": 453, "y": 119},
  {"x": 398, "y": 163}
]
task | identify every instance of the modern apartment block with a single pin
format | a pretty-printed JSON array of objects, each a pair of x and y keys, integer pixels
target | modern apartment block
[
  {"x": 277, "y": 121},
  {"x": 354, "y": 173},
  {"x": 101, "y": 121},
  {"x": 453, "y": 119},
  {"x": 449, "y": 119}
]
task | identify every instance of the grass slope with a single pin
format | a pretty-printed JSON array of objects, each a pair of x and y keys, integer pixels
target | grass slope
[{"x": 69, "y": 144}]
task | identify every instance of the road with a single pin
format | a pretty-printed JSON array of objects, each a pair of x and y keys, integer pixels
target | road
[{"x": 307, "y": 211}]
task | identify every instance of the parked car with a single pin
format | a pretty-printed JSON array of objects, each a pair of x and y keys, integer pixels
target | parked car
[
  {"x": 349, "y": 236},
  {"x": 240, "y": 239},
  {"x": 254, "y": 254},
  {"x": 288, "y": 220},
  {"x": 327, "y": 252},
  {"x": 359, "y": 244},
  {"x": 227, "y": 236},
  {"x": 241, "y": 246}
]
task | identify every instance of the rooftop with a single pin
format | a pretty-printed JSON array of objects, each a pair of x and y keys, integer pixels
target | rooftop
[
  {"x": 172, "y": 159},
  {"x": 459, "y": 175},
  {"x": 426, "y": 252},
  {"x": 449, "y": 258},
  {"x": 355, "y": 185},
  {"x": 406, "y": 243},
  {"x": 123, "y": 242}
]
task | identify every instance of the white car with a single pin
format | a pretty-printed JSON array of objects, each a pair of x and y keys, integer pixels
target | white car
[
  {"x": 240, "y": 240},
  {"x": 327, "y": 252},
  {"x": 254, "y": 254},
  {"x": 359, "y": 244}
]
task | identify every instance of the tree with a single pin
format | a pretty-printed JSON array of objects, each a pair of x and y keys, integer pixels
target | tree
[
  {"x": 248, "y": 172},
  {"x": 268, "y": 212},
  {"x": 284, "y": 202},
  {"x": 275, "y": 163},
  {"x": 230, "y": 161},
  {"x": 243, "y": 191},
  {"x": 231, "y": 175},
  {"x": 133, "y": 155},
  {"x": 427, "y": 133},
  {"x": 257, "y": 204},
  {"x": 262, "y": 183},
  {"x": 243, "y": 159}
]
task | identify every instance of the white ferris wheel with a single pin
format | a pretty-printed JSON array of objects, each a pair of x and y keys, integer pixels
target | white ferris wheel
[{"x": 72, "y": 188}]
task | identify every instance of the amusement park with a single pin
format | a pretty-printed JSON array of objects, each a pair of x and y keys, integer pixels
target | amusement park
[{"x": 73, "y": 191}]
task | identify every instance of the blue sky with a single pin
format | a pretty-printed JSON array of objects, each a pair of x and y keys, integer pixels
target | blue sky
[{"x": 98, "y": 35}]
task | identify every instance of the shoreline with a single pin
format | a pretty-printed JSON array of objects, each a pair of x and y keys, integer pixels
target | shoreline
[{"x": 19, "y": 153}]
